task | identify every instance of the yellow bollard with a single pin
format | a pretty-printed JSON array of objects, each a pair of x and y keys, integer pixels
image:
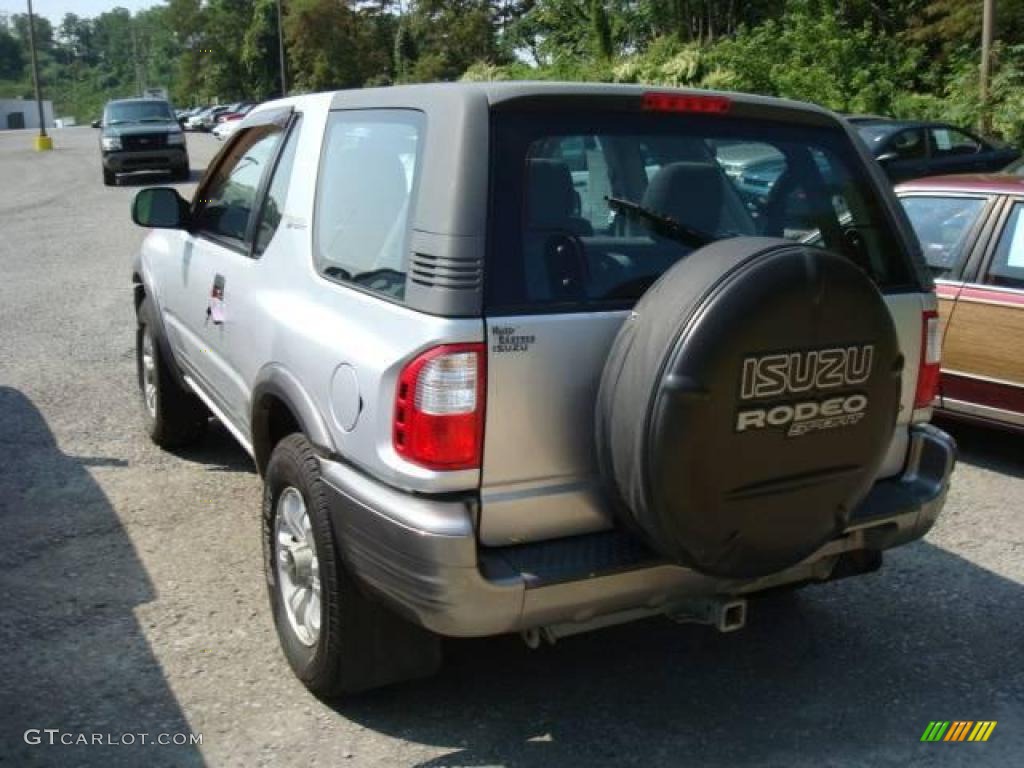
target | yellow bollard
[{"x": 44, "y": 143}]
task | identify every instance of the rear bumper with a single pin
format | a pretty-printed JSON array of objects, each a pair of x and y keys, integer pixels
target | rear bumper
[
  {"x": 421, "y": 554},
  {"x": 152, "y": 160}
]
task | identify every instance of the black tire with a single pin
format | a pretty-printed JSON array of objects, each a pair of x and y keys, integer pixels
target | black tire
[
  {"x": 109, "y": 178},
  {"x": 361, "y": 644},
  {"x": 177, "y": 418},
  {"x": 181, "y": 174}
]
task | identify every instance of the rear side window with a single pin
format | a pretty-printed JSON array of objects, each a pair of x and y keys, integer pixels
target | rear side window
[
  {"x": 367, "y": 180},
  {"x": 942, "y": 225},
  {"x": 947, "y": 142},
  {"x": 588, "y": 210},
  {"x": 1008, "y": 261}
]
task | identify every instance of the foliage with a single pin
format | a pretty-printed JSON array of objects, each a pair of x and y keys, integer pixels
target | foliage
[
  {"x": 908, "y": 58},
  {"x": 828, "y": 61}
]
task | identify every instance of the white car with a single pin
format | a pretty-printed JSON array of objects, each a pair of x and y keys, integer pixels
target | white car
[
  {"x": 225, "y": 129},
  {"x": 195, "y": 122}
]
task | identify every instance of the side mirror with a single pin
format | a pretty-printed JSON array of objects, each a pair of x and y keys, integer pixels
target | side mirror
[
  {"x": 887, "y": 157},
  {"x": 95, "y": 123},
  {"x": 160, "y": 208}
]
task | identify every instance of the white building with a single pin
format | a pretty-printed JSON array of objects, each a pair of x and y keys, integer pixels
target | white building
[{"x": 23, "y": 113}]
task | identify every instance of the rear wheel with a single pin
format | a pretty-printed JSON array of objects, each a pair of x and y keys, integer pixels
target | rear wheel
[
  {"x": 174, "y": 416},
  {"x": 337, "y": 639},
  {"x": 109, "y": 178}
]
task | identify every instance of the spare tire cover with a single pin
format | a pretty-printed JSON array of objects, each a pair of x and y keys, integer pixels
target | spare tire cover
[{"x": 747, "y": 404}]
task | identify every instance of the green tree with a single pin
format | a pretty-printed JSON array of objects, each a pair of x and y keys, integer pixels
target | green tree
[
  {"x": 12, "y": 62},
  {"x": 817, "y": 57},
  {"x": 259, "y": 54},
  {"x": 326, "y": 42},
  {"x": 449, "y": 36},
  {"x": 223, "y": 73}
]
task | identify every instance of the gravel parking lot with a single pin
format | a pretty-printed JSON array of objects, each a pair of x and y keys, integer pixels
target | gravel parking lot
[{"x": 132, "y": 597}]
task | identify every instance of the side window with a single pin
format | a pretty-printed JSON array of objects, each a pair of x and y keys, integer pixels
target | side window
[
  {"x": 909, "y": 144},
  {"x": 1007, "y": 267},
  {"x": 368, "y": 174},
  {"x": 226, "y": 200},
  {"x": 947, "y": 142},
  {"x": 942, "y": 225},
  {"x": 273, "y": 205}
]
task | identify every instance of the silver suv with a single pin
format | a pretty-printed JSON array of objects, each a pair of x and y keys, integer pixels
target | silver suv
[{"x": 541, "y": 358}]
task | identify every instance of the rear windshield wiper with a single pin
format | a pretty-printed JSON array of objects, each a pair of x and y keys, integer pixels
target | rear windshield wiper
[{"x": 663, "y": 225}]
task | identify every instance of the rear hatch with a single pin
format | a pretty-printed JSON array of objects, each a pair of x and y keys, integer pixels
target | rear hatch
[{"x": 571, "y": 250}]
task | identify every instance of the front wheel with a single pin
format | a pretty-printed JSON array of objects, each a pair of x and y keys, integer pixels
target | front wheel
[
  {"x": 337, "y": 639},
  {"x": 174, "y": 416},
  {"x": 109, "y": 179}
]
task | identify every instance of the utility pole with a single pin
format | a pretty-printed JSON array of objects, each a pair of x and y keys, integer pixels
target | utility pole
[
  {"x": 988, "y": 21},
  {"x": 280, "y": 48},
  {"x": 43, "y": 142}
]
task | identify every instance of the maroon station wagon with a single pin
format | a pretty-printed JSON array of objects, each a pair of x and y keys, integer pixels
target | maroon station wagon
[{"x": 971, "y": 230}]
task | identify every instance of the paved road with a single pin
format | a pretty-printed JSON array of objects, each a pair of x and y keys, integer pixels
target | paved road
[{"x": 132, "y": 600}]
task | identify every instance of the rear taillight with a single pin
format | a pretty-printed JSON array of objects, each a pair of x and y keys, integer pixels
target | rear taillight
[
  {"x": 931, "y": 353},
  {"x": 662, "y": 101},
  {"x": 439, "y": 407}
]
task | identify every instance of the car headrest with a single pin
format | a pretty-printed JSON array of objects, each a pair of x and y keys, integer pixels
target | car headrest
[
  {"x": 551, "y": 199},
  {"x": 691, "y": 193}
]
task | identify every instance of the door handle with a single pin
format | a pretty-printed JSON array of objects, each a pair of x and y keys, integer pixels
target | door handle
[{"x": 215, "y": 307}]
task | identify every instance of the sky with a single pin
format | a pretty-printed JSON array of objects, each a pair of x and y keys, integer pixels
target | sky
[{"x": 54, "y": 10}]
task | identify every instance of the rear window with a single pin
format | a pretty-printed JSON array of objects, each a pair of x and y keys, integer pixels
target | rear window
[{"x": 588, "y": 210}]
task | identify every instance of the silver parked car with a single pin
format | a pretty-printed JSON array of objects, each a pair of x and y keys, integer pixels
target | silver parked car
[{"x": 521, "y": 358}]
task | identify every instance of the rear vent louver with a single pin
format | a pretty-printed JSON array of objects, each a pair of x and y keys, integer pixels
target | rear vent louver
[{"x": 456, "y": 274}]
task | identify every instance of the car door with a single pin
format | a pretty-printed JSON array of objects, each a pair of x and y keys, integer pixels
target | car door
[
  {"x": 905, "y": 154},
  {"x": 204, "y": 310},
  {"x": 948, "y": 226},
  {"x": 983, "y": 367},
  {"x": 956, "y": 151}
]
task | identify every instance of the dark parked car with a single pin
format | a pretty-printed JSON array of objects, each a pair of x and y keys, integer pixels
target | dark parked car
[
  {"x": 971, "y": 230},
  {"x": 910, "y": 150},
  {"x": 141, "y": 135}
]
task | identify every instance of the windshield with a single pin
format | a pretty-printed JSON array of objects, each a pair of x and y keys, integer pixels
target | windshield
[
  {"x": 592, "y": 209},
  {"x": 150, "y": 110}
]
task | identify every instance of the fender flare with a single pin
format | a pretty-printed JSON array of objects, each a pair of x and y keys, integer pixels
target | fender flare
[
  {"x": 276, "y": 381},
  {"x": 139, "y": 283}
]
